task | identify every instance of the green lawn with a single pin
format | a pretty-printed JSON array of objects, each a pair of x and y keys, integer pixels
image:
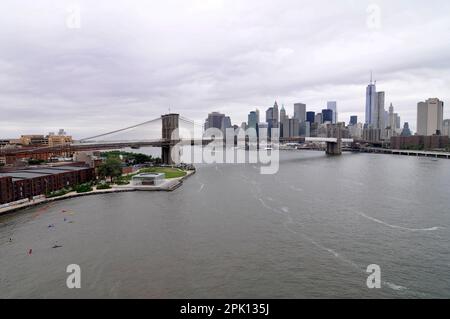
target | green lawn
[{"x": 169, "y": 171}]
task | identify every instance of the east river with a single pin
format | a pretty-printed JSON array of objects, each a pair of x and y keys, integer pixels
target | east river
[{"x": 309, "y": 231}]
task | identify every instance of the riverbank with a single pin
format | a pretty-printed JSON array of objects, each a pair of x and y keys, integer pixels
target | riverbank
[{"x": 168, "y": 186}]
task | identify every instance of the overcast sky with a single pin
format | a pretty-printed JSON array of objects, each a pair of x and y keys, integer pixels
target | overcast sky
[{"x": 124, "y": 62}]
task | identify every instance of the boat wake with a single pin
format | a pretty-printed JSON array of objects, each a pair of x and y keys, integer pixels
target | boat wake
[{"x": 396, "y": 226}]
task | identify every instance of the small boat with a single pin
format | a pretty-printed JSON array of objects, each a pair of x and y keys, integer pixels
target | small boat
[{"x": 268, "y": 148}]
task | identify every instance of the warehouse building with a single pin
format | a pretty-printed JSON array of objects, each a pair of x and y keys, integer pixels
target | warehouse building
[{"x": 28, "y": 183}]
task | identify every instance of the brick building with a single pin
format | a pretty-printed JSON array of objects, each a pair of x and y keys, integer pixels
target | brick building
[
  {"x": 27, "y": 183},
  {"x": 419, "y": 142}
]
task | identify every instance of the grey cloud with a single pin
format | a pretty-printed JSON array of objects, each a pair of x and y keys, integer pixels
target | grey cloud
[{"x": 131, "y": 62}]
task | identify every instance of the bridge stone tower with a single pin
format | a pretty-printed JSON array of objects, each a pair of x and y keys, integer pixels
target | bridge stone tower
[
  {"x": 335, "y": 131},
  {"x": 170, "y": 123}
]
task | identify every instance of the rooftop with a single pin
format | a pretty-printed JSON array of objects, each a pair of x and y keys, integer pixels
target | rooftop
[{"x": 40, "y": 172}]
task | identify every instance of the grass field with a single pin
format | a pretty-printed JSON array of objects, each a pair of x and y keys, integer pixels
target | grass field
[{"x": 169, "y": 171}]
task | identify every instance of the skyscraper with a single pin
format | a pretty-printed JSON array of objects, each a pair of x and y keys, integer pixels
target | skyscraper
[
  {"x": 353, "y": 120},
  {"x": 282, "y": 114},
  {"x": 430, "y": 116},
  {"x": 332, "y": 105},
  {"x": 300, "y": 112},
  {"x": 371, "y": 99},
  {"x": 378, "y": 113},
  {"x": 391, "y": 118},
  {"x": 257, "y": 116},
  {"x": 310, "y": 117},
  {"x": 226, "y": 123},
  {"x": 446, "y": 128},
  {"x": 253, "y": 120},
  {"x": 276, "y": 115},
  {"x": 319, "y": 118},
  {"x": 327, "y": 116},
  {"x": 406, "y": 131},
  {"x": 214, "y": 120}
]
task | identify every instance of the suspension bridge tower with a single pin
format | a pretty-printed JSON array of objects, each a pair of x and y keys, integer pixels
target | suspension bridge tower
[
  {"x": 170, "y": 136},
  {"x": 334, "y": 131}
]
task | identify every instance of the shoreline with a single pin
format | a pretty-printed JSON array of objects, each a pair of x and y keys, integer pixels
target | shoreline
[{"x": 169, "y": 186}]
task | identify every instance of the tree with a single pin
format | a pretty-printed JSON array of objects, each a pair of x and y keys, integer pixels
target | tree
[{"x": 111, "y": 168}]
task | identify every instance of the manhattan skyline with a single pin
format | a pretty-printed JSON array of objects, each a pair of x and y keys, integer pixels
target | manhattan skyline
[{"x": 122, "y": 63}]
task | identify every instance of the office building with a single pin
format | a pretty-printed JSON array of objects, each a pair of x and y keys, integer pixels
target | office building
[
  {"x": 253, "y": 120},
  {"x": 310, "y": 117},
  {"x": 446, "y": 128},
  {"x": 371, "y": 99},
  {"x": 332, "y": 105},
  {"x": 226, "y": 123},
  {"x": 406, "y": 131},
  {"x": 353, "y": 120},
  {"x": 319, "y": 119},
  {"x": 430, "y": 117},
  {"x": 300, "y": 112},
  {"x": 282, "y": 114},
  {"x": 305, "y": 129},
  {"x": 327, "y": 116},
  {"x": 378, "y": 113},
  {"x": 214, "y": 120}
]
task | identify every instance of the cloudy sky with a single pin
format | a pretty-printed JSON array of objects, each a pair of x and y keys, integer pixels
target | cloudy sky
[{"x": 93, "y": 66}]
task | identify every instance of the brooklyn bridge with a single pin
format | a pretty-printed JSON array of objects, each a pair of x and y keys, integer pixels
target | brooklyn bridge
[{"x": 173, "y": 129}]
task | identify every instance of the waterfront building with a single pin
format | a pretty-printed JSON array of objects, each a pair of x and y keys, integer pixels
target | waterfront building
[
  {"x": 355, "y": 130},
  {"x": 33, "y": 140},
  {"x": 26, "y": 184},
  {"x": 148, "y": 179},
  {"x": 332, "y": 105},
  {"x": 371, "y": 134},
  {"x": 58, "y": 140},
  {"x": 420, "y": 142},
  {"x": 430, "y": 116}
]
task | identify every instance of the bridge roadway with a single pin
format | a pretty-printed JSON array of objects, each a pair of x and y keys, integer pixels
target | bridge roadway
[{"x": 94, "y": 146}]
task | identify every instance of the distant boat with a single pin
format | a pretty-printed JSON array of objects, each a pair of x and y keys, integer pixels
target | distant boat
[
  {"x": 135, "y": 147},
  {"x": 268, "y": 148}
]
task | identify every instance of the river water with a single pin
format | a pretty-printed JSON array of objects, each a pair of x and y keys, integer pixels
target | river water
[{"x": 309, "y": 231}]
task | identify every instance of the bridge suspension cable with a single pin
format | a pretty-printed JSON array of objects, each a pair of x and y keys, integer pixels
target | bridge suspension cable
[
  {"x": 188, "y": 121},
  {"x": 119, "y": 130}
]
